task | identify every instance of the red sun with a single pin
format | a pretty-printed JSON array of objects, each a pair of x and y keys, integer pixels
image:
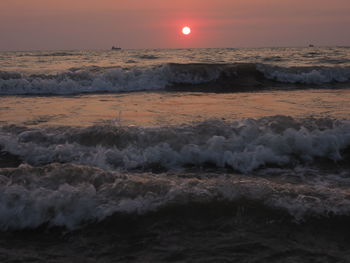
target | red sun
[{"x": 186, "y": 30}]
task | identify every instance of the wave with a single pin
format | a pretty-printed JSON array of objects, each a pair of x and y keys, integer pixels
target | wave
[
  {"x": 187, "y": 77},
  {"x": 70, "y": 196},
  {"x": 50, "y": 54},
  {"x": 70, "y": 176},
  {"x": 243, "y": 146},
  {"x": 306, "y": 75},
  {"x": 147, "y": 57}
]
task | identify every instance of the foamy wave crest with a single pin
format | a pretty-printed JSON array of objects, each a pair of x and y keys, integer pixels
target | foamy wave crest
[
  {"x": 71, "y": 195},
  {"x": 244, "y": 145},
  {"x": 306, "y": 75},
  {"x": 102, "y": 80},
  {"x": 187, "y": 77}
]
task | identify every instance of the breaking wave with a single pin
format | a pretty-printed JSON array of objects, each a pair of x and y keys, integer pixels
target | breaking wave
[
  {"x": 71, "y": 195},
  {"x": 199, "y": 77},
  {"x": 243, "y": 146},
  {"x": 306, "y": 75},
  {"x": 71, "y": 176}
]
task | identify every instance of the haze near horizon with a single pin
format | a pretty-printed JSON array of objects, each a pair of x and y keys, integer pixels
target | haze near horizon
[{"x": 91, "y": 24}]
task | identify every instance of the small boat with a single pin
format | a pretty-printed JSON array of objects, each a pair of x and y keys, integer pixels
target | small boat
[
  {"x": 311, "y": 45},
  {"x": 116, "y": 48}
]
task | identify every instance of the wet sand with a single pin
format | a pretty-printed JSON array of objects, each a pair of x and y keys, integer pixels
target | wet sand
[{"x": 164, "y": 108}]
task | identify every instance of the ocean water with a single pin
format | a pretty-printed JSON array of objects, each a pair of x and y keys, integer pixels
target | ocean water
[{"x": 189, "y": 155}]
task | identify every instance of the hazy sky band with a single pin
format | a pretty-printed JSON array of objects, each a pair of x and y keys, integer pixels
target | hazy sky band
[{"x": 99, "y": 24}]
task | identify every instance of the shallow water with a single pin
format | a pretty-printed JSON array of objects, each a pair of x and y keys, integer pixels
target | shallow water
[{"x": 171, "y": 108}]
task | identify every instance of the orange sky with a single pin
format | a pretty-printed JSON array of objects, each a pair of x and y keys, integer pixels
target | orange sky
[{"x": 98, "y": 24}]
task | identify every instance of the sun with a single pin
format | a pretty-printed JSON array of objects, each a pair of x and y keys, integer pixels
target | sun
[{"x": 186, "y": 30}]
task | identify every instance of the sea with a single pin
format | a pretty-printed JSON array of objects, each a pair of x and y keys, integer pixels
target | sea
[{"x": 175, "y": 155}]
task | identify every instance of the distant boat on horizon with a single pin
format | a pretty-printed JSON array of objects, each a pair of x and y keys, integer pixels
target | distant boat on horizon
[{"x": 116, "y": 48}]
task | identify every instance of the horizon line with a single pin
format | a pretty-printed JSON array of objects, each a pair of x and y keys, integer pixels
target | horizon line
[{"x": 182, "y": 48}]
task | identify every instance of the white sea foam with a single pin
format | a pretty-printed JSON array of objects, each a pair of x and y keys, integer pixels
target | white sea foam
[
  {"x": 243, "y": 145},
  {"x": 112, "y": 80},
  {"x": 69, "y": 195},
  {"x": 80, "y": 192},
  {"x": 317, "y": 75},
  {"x": 157, "y": 78}
]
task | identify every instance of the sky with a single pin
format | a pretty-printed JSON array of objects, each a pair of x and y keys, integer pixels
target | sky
[{"x": 99, "y": 24}]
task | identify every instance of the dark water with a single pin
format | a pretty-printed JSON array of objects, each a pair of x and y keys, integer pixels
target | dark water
[{"x": 216, "y": 232}]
